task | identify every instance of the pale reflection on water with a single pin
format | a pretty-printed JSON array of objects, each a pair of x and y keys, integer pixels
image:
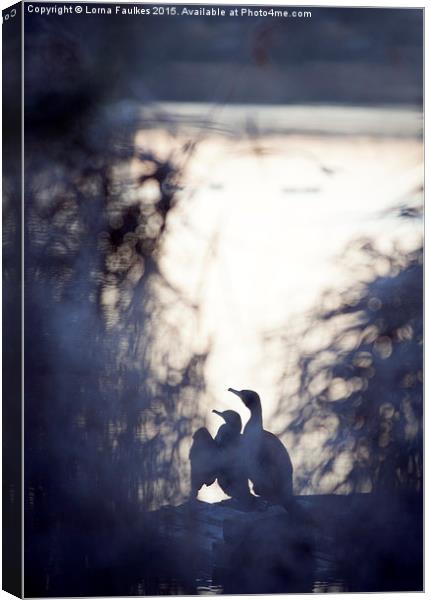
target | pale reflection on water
[{"x": 258, "y": 232}]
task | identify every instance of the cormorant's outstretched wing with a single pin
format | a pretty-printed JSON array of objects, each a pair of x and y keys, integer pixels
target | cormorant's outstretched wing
[{"x": 204, "y": 458}]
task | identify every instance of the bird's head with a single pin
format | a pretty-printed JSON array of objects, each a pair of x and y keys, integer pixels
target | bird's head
[
  {"x": 231, "y": 418},
  {"x": 249, "y": 398}
]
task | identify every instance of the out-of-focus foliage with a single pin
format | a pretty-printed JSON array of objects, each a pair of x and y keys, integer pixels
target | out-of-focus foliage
[
  {"x": 113, "y": 363},
  {"x": 352, "y": 386},
  {"x": 111, "y": 389}
]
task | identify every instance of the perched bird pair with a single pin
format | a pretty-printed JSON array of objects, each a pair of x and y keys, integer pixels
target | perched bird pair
[
  {"x": 234, "y": 458},
  {"x": 220, "y": 458}
]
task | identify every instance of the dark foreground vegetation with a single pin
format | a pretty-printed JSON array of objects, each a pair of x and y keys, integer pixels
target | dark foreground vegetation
[{"x": 354, "y": 543}]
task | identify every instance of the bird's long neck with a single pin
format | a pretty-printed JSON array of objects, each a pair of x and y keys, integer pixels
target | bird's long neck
[{"x": 256, "y": 420}]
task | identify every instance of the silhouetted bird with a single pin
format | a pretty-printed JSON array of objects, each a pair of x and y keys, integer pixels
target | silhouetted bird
[
  {"x": 268, "y": 462},
  {"x": 232, "y": 474},
  {"x": 221, "y": 458}
]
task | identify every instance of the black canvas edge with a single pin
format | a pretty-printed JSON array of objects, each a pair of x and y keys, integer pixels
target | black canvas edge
[{"x": 12, "y": 303}]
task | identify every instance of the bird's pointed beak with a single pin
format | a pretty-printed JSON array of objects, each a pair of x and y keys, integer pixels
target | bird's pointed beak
[
  {"x": 235, "y": 392},
  {"x": 217, "y": 412}
]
